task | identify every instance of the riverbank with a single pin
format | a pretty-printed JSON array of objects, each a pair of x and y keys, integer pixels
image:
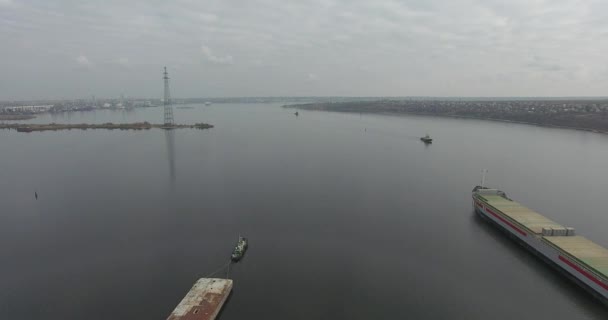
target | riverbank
[
  {"x": 108, "y": 126},
  {"x": 16, "y": 116},
  {"x": 545, "y": 117},
  {"x": 477, "y": 118}
]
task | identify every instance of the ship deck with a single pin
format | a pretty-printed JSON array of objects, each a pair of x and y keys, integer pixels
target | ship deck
[
  {"x": 204, "y": 301},
  {"x": 580, "y": 249},
  {"x": 584, "y": 251},
  {"x": 531, "y": 220}
]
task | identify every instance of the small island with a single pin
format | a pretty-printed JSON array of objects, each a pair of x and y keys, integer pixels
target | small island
[{"x": 30, "y": 127}]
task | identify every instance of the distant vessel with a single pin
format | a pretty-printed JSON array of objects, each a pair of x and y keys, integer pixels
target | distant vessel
[
  {"x": 576, "y": 257},
  {"x": 239, "y": 249},
  {"x": 24, "y": 129},
  {"x": 207, "y": 103},
  {"x": 297, "y": 114},
  {"x": 427, "y": 139}
]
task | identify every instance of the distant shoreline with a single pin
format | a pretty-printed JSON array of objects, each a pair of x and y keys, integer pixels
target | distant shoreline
[
  {"x": 480, "y": 118},
  {"x": 364, "y": 108},
  {"x": 510, "y": 121}
]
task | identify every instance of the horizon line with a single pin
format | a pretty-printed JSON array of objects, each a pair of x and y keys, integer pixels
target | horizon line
[{"x": 323, "y": 96}]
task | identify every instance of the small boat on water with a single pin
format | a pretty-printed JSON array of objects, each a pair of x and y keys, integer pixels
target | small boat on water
[
  {"x": 427, "y": 139},
  {"x": 24, "y": 129},
  {"x": 239, "y": 249}
]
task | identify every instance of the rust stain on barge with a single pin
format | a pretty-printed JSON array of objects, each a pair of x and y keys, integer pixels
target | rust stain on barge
[{"x": 204, "y": 301}]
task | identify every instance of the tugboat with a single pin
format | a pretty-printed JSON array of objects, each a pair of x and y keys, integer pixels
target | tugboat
[
  {"x": 427, "y": 139},
  {"x": 239, "y": 249}
]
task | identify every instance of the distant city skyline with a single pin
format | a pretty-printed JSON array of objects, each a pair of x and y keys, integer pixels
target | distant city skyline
[{"x": 264, "y": 48}]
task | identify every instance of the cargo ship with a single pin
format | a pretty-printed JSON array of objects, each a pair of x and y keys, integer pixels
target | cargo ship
[{"x": 576, "y": 257}]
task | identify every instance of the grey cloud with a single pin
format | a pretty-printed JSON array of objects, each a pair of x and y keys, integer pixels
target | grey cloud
[
  {"x": 207, "y": 17},
  {"x": 378, "y": 48},
  {"x": 227, "y": 59},
  {"x": 312, "y": 77},
  {"x": 82, "y": 60},
  {"x": 543, "y": 65}
]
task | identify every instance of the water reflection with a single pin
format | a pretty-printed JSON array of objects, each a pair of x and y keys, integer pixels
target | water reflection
[
  {"x": 170, "y": 138},
  {"x": 354, "y": 204},
  {"x": 61, "y": 117}
]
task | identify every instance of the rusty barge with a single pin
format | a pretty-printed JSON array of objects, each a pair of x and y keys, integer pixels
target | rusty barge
[{"x": 204, "y": 301}]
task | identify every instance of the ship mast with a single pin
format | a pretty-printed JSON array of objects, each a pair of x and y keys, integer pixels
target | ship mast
[{"x": 483, "y": 176}]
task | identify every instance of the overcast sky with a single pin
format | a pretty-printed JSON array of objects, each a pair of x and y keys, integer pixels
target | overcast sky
[{"x": 217, "y": 48}]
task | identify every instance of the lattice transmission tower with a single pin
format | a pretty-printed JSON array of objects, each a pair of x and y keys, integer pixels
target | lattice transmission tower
[{"x": 167, "y": 101}]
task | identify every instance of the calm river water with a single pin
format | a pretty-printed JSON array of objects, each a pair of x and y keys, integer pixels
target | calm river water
[{"x": 349, "y": 216}]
